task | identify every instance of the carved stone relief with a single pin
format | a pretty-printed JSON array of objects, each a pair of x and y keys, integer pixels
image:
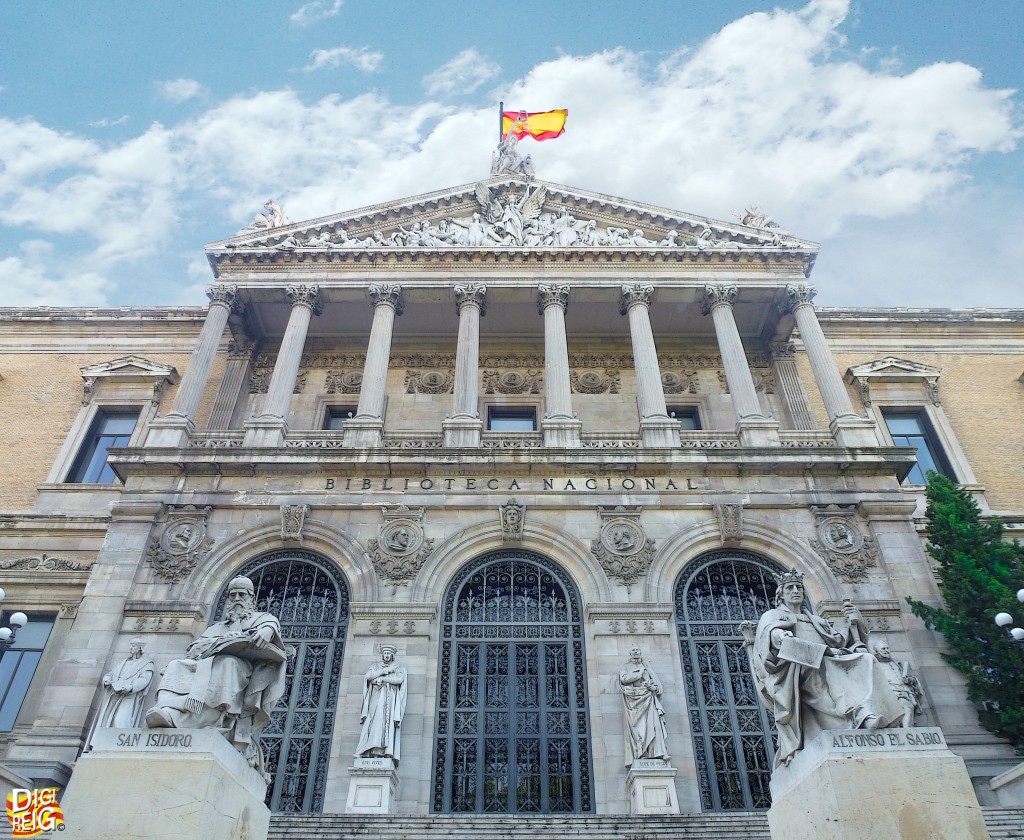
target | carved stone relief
[
  {"x": 680, "y": 382},
  {"x": 293, "y": 517},
  {"x": 840, "y": 543},
  {"x": 429, "y": 381},
  {"x": 513, "y": 381},
  {"x": 263, "y": 369},
  {"x": 622, "y": 548},
  {"x": 730, "y": 521},
  {"x": 401, "y": 547},
  {"x": 344, "y": 381},
  {"x": 45, "y": 562},
  {"x": 594, "y": 381},
  {"x": 179, "y": 545},
  {"x": 513, "y": 519}
]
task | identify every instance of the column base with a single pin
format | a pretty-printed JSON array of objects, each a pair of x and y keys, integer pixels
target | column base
[
  {"x": 651, "y": 787},
  {"x": 854, "y": 431},
  {"x": 462, "y": 430},
  {"x": 757, "y": 431},
  {"x": 374, "y": 786},
  {"x": 267, "y": 431},
  {"x": 364, "y": 433},
  {"x": 886, "y": 784},
  {"x": 164, "y": 785},
  {"x": 172, "y": 431},
  {"x": 562, "y": 432},
  {"x": 659, "y": 432}
]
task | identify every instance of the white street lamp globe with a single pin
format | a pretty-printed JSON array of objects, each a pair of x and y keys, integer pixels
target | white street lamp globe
[
  {"x": 3, "y": 594},
  {"x": 1004, "y": 619},
  {"x": 19, "y": 619},
  {"x": 1018, "y": 634},
  {"x": 5, "y": 634},
  {"x": 1020, "y": 595}
]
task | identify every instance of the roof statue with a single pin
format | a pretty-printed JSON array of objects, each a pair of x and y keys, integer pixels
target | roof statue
[
  {"x": 273, "y": 218},
  {"x": 509, "y": 160}
]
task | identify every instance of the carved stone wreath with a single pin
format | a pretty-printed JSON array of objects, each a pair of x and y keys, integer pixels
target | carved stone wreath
[
  {"x": 429, "y": 381},
  {"x": 179, "y": 546},
  {"x": 402, "y": 548},
  {"x": 512, "y": 381},
  {"x": 623, "y": 550},
  {"x": 344, "y": 381},
  {"x": 848, "y": 553},
  {"x": 594, "y": 381},
  {"x": 680, "y": 381}
]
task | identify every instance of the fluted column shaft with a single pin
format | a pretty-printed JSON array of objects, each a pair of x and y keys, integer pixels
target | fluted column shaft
[
  {"x": 305, "y": 301},
  {"x": 718, "y": 302},
  {"x": 387, "y": 304},
  {"x": 470, "y": 301},
  {"x": 558, "y": 394},
  {"x": 833, "y": 392},
  {"x": 635, "y": 304},
  {"x": 197, "y": 374}
]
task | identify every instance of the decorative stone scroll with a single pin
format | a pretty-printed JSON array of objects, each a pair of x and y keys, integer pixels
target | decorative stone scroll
[
  {"x": 263, "y": 369},
  {"x": 429, "y": 381},
  {"x": 176, "y": 549},
  {"x": 344, "y": 381},
  {"x": 622, "y": 548},
  {"x": 44, "y": 563},
  {"x": 293, "y": 517},
  {"x": 513, "y": 520},
  {"x": 680, "y": 382},
  {"x": 594, "y": 381},
  {"x": 730, "y": 521},
  {"x": 513, "y": 381},
  {"x": 840, "y": 544},
  {"x": 401, "y": 547}
]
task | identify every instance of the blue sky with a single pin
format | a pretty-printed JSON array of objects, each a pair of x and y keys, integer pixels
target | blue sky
[{"x": 132, "y": 133}]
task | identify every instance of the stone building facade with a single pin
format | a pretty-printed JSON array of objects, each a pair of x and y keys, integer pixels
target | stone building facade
[{"x": 513, "y": 429}]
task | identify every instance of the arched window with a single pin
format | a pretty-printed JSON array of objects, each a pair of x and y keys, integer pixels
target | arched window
[
  {"x": 309, "y": 596},
  {"x": 512, "y": 730},
  {"x": 733, "y": 734}
]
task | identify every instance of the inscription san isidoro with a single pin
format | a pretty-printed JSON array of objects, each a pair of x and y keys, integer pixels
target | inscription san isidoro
[{"x": 482, "y": 484}]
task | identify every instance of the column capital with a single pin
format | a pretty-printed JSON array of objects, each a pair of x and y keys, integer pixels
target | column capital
[
  {"x": 798, "y": 296},
  {"x": 635, "y": 295},
  {"x": 225, "y": 294},
  {"x": 241, "y": 348},
  {"x": 471, "y": 293},
  {"x": 389, "y": 294},
  {"x": 308, "y": 296},
  {"x": 782, "y": 350},
  {"x": 718, "y": 295},
  {"x": 550, "y": 295}
]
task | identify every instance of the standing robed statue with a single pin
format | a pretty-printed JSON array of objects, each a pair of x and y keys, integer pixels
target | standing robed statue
[{"x": 384, "y": 693}]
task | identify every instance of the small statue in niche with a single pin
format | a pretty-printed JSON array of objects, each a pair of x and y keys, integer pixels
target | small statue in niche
[
  {"x": 384, "y": 693},
  {"x": 124, "y": 691},
  {"x": 904, "y": 684},
  {"x": 644, "y": 714}
]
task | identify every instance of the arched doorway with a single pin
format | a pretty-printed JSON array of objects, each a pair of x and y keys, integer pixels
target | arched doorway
[
  {"x": 512, "y": 731},
  {"x": 733, "y": 734},
  {"x": 309, "y": 596}
]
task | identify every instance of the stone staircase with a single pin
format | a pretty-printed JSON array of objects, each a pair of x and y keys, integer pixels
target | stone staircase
[{"x": 1003, "y": 824}]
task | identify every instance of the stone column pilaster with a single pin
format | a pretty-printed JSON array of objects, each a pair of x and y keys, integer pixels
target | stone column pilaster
[
  {"x": 561, "y": 428},
  {"x": 791, "y": 387},
  {"x": 240, "y": 353},
  {"x": 175, "y": 428},
  {"x": 270, "y": 427},
  {"x": 848, "y": 428},
  {"x": 366, "y": 429},
  {"x": 753, "y": 427},
  {"x": 464, "y": 426},
  {"x": 656, "y": 427}
]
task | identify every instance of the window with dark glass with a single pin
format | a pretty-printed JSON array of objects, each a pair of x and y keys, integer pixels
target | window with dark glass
[
  {"x": 911, "y": 428},
  {"x": 110, "y": 428},
  {"x": 336, "y": 416},
  {"x": 687, "y": 415},
  {"x": 18, "y": 666},
  {"x": 512, "y": 419}
]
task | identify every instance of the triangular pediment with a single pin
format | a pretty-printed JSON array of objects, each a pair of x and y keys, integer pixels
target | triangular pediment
[
  {"x": 893, "y": 369},
  {"x": 510, "y": 213},
  {"x": 130, "y": 366}
]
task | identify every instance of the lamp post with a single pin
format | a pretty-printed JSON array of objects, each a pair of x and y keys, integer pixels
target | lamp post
[
  {"x": 1004, "y": 619},
  {"x": 17, "y": 621}
]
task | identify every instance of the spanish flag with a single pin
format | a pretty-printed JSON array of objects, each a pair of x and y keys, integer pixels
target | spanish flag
[{"x": 542, "y": 125}]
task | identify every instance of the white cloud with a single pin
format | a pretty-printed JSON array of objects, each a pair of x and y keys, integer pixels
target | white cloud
[
  {"x": 27, "y": 281},
  {"x": 106, "y": 122},
  {"x": 362, "y": 58},
  {"x": 463, "y": 74},
  {"x": 179, "y": 90},
  {"x": 315, "y": 11}
]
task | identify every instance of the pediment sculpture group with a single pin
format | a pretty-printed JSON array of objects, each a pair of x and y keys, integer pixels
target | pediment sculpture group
[{"x": 812, "y": 675}]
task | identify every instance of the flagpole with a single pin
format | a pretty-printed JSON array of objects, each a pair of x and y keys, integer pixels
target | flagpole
[{"x": 501, "y": 120}]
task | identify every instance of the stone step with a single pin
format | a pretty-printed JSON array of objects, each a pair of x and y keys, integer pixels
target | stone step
[{"x": 1005, "y": 823}]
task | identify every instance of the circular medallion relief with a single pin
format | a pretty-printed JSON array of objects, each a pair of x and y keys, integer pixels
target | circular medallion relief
[
  {"x": 839, "y": 536},
  {"x": 512, "y": 379},
  {"x": 622, "y": 537},
  {"x": 181, "y": 537},
  {"x": 401, "y": 538},
  {"x": 352, "y": 379}
]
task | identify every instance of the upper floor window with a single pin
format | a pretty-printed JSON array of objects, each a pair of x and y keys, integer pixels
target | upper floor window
[
  {"x": 18, "y": 666},
  {"x": 911, "y": 428},
  {"x": 336, "y": 415},
  {"x": 110, "y": 428},
  {"x": 512, "y": 418},
  {"x": 687, "y": 415}
]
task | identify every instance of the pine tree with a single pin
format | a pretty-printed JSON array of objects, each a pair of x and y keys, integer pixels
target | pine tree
[{"x": 980, "y": 573}]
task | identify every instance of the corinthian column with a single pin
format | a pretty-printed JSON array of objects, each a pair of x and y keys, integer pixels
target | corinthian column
[
  {"x": 656, "y": 427},
  {"x": 560, "y": 425},
  {"x": 849, "y": 428},
  {"x": 752, "y": 426},
  {"x": 270, "y": 427},
  {"x": 366, "y": 429},
  {"x": 174, "y": 429},
  {"x": 464, "y": 426}
]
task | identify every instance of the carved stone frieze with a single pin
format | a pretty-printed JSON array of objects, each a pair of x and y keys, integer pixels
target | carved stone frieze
[
  {"x": 44, "y": 563},
  {"x": 344, "y": 381},
  {"x": 180, "y": 543},
  {"x": 259, "y": 380},
  {"x": 513, "y": 520},
  {"x": 680, "y": 382},
  {"x": 429, "y": 381},
  {"x": 622, "y": 548},
  {"x": 325, "y": 360},
  {"x": 730, "y": 521},
  {"x": 513, "y": 381},
  {"x": 293, "y": 518},
  {"x": 594, "y": 381},
  {"x": 840, "y": 543},
  {"x": 401, "y": 547}
]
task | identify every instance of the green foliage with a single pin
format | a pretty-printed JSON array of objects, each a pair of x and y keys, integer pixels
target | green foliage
[{"x": 981, "y": 573}]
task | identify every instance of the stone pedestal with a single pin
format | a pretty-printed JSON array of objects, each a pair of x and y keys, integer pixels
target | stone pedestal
[
  {"x": 886, "y": 784},
  {"x": 265, "y": 432},
  {"x": 364, "y": 433},
  {"x": 561, "y": 432},
  {"x": 757, "y": 431},
  {"x": 170, "y": 431},
  {"x": 651, "y": 787},
  {"x": 374, "y": 786},
  {"x": 462, "y": 431},
  {"x": 854, "y": 431},
  {"x": 164, "y": 784},
  {"x": 659, "y": 433}
]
